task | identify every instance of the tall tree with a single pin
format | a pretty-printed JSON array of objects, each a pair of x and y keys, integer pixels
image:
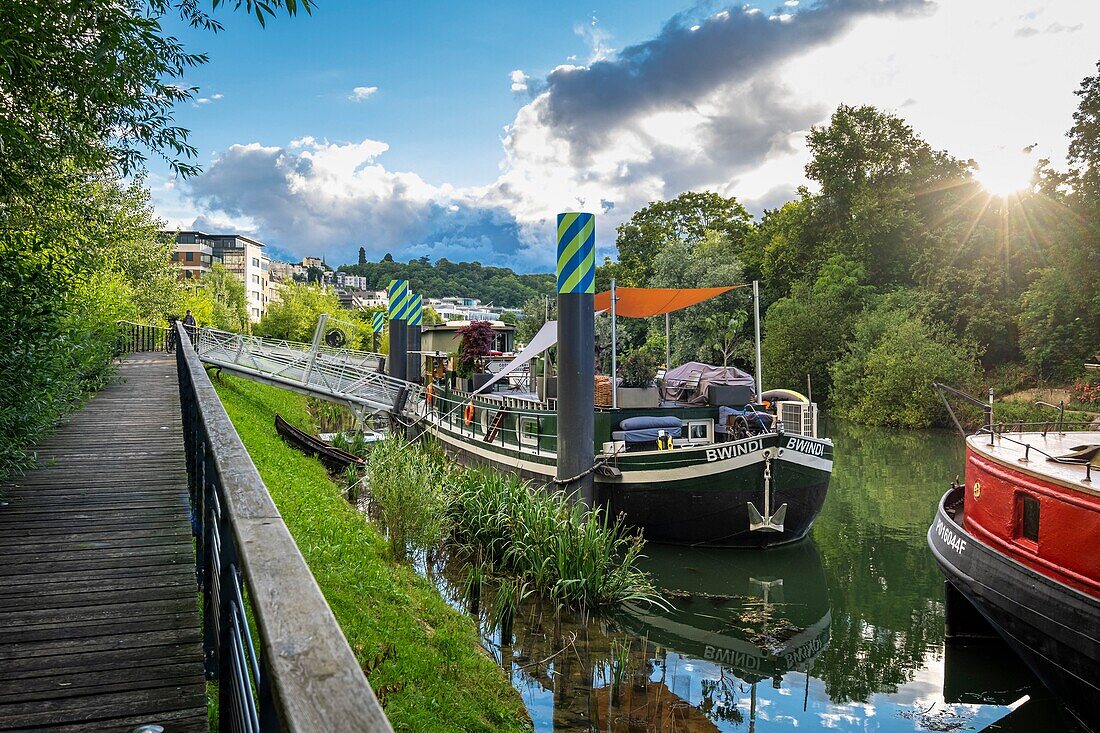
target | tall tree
[
  {"x": 685, "y": 218},
  {"x": 95, "y": 84}
]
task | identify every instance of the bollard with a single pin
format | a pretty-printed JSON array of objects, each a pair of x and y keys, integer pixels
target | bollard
[
  {"x": 576, "y": 352},
  {"x": 399, "y": 339}
]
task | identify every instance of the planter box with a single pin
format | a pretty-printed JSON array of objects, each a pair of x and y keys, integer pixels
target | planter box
[{"x": 638, "y": 397}]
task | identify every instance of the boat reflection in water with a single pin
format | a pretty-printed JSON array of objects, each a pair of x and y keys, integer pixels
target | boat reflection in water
[{"x": 740, "y": 620}]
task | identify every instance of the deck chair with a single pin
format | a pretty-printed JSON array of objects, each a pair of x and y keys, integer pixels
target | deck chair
[{"x": 677, "y": 390}]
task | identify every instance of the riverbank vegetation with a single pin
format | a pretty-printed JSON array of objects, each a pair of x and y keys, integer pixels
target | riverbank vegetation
[
  {"x": 535, "y": 541},
  {"x": 433, "y": 674},
  {"x": 898, "y": 269},
  {"x": 87, "y": 97}
]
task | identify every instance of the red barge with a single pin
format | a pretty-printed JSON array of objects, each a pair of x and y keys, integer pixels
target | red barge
[{"x": 1020, "y": 540}]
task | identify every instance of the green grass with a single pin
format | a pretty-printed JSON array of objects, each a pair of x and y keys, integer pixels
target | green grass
[{"x": 434, "y": 675}]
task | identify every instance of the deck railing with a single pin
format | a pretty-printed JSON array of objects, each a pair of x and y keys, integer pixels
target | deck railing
[
  {"x": 141, "y": 337},
  {"x": 270, "y": 639}
]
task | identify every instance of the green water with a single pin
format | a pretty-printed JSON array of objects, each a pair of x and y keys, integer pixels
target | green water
[{"x": 841, "y": 632}]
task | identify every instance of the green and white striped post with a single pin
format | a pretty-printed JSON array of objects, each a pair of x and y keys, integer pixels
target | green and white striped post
[
  {"x": 415, "y": 320},
  {"x": 576, "y": 353},
  {"x": 399, "y": 334},
  {"x": 377, "y": 325}
]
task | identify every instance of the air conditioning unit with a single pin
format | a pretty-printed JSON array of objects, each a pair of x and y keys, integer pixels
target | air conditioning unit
[{"x": 799, "y": 418}]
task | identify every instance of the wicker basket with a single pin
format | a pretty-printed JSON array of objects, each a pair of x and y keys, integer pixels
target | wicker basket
[{"x": 603, "y": 391}]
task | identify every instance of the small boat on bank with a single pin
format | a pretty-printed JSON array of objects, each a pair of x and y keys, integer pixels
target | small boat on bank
[
  {"x": 1018, "y": 540},
  {"x": 334, "y": 459}
]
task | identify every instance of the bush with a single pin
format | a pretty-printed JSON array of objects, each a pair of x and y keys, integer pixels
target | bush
[
  {"x": 639, "y": 367},
  {"x": 74, "y": 258},
  {"x": 886, "y": 377}
]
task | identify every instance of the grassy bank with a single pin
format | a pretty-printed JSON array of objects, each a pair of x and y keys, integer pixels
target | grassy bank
[{"x": 433, "y": 674}]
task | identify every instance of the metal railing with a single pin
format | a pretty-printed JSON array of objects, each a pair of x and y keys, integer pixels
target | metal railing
[
  {"x": 299, "y": 675},
  {"x": 141, "y": 337}
]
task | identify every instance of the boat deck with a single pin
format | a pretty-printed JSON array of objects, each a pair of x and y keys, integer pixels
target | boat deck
[{"x": 1032, "y": 452}]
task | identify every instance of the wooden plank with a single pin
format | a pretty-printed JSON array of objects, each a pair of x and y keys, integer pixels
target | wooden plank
[{"x": 99, "y": 626}]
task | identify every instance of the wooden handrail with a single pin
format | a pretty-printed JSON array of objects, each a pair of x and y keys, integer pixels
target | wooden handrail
[{"x": 309, "y": 679}]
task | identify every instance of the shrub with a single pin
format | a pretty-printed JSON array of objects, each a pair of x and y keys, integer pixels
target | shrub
[
  {"x": 886, "y": 377},
  {"x": 639, "y": 367}
]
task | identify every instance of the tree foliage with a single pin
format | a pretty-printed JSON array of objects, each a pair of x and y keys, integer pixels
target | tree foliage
[
  {"x": 295, "y": 315},
  {"x": 497, "y": 285},
  {"x": 75, "y": 258}
]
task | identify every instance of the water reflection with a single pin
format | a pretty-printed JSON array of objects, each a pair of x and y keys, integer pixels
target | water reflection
[{"x": 843, "y": 631}]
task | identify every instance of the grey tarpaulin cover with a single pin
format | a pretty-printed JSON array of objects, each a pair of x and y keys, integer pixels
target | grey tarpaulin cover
[{"x": 708, "y": 375}]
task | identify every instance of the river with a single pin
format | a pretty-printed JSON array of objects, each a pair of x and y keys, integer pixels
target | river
[{"x": 843, "y": 631}]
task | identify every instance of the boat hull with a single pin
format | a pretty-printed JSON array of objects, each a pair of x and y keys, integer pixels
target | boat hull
[
  {"x": 1054, "y": 628},
  {"x": 691, "y": 496}
]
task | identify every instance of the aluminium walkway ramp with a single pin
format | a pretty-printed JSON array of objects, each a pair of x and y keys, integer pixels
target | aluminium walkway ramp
[
  {"x": 338, "y": 375},
  {"x": 99, "y": 623}
]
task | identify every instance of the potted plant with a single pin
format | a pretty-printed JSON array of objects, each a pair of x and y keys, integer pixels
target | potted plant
[
  {"x": 638, "y": 370},
  {"x": 477, "y": 343}
]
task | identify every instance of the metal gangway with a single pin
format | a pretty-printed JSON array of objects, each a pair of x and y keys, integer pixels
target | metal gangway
[{"x": 344, "y": 376}]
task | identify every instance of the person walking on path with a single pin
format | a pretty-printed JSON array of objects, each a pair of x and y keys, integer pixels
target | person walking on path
[{"x": 190, "y": 325}]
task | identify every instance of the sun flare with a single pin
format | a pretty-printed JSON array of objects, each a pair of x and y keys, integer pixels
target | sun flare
[{"x": 1005, "y": 172}]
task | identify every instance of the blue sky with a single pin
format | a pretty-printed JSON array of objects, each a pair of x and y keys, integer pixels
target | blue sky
[{"x": 472, "y": 126}]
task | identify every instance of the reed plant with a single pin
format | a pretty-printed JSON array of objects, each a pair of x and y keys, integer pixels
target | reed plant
[
  {"x": 406, "y": 492},
  {"x": 578, "y": 558}
]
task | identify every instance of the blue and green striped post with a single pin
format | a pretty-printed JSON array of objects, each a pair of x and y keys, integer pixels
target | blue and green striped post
[
  {"x": 576, "y": 353},
  {"x": 377, "y": 325},
  {"x": 415, "y": 319},
  {"x": 399, "y": 335}
]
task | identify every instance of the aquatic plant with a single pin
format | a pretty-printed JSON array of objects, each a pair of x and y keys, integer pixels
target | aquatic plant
[
  {"x": 406, "y": 493},
  {"x": 578, "y": 559}
]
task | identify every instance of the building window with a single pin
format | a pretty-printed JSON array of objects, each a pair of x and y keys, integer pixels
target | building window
[
  {"x": 255, "y": 261},
  {"x": 189, "y": 256},
  {"x": 175, "y": 257},
  {"x": 256, "y": 279},
  {"x": 1027, "y": 517}
]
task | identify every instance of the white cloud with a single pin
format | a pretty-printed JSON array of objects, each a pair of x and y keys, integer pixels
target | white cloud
[
  {"x": 360, "y": 94},
  {"x": 519, "y": 81},
  {"x": 721, "y": 103},
  {"x": 203, "y": 101}
]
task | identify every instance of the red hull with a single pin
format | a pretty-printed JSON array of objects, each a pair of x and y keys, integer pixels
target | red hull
[{"x": 1063, "y": 506}]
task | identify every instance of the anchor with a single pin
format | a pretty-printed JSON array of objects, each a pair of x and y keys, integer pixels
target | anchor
[{"x": 768, "y": 522}]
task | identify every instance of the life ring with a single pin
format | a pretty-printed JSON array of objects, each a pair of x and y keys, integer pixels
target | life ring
[
  {"x": 430, "y": 396},
  {"x": 468, "y": 413}
]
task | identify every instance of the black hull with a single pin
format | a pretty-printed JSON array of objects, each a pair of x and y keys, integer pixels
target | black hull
[
  {"x": 1055, "y": 629},
  {"x": 716, "y": 517},
  {"x": 334, "y": 459},
  {"x": 704, "y": 511}
]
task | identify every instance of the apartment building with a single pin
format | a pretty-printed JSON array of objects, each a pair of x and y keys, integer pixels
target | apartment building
[
  {"x": 243, "y": 256},
  {"x": 194, "y": 253}
]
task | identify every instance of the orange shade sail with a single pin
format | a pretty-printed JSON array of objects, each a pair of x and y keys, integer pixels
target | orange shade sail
[{"x": 646, "y": 302}]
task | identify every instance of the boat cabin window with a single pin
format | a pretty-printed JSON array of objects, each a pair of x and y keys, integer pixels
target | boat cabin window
[
  {"x": 700, "y": 431},
  {"x": 529, "y": 430},
  {"x": 1027, "y": 517}
]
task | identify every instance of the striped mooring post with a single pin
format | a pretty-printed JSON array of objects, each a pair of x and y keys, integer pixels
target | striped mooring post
[
  {"x": 377, "y": 325},
  {"x": 415, "y": 320},
  {"x": 576, "y": 353},
  {"x": 399, "y": 338}
]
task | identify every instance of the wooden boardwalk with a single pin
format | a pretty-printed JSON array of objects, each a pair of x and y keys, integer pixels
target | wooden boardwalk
[{"x": 99, "y": 622}]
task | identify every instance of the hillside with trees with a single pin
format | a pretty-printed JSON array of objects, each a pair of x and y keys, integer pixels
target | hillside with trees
[
  {"x": 497, "y": 285},
  {"x": 897, "y": 271}
]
